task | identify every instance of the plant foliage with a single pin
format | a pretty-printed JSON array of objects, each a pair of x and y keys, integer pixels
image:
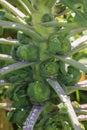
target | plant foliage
[{"x": 38, "y": 42}]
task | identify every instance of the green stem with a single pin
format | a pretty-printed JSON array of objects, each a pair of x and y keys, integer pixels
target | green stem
[
  {"x": 84, "y": 5},
  {"x": 54, "y": 24},
  {"x": 16, "y": 26},
  {"x": 37, "y": 16},
  {"x": 9, "y": 42},
  {"x": 58, "y": 89},
  {"x": 14, "y": 19},
  {"x": 37, "y": 72},
  {"x": 72, "y": 89},
  {"x": 71, "y": 30},
  {"x": 12, "y": 9},
  {"x": 25, "y": 7},
  {"x": 58, "y": 24},
  {"x": 27, "y": 3},
  {"x": 72, "y": 62},
  {"x": 14, "y": 67}
]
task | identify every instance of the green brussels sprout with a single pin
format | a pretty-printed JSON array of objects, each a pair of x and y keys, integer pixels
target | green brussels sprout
[
  {"x": 48, "y": 69},
  {"x": 20, "y": 103},
  {"x": 28, "y": 52},
  {"x": 58, "y": 45},
  {"x": 65, "y": 45},
  {"x": 38, "y": 92},
  {"x": 18, "y": 116},
  {"x": 20, "y": 100},
  {"x": 72, "y": 76},
  {"x": 19, "y": 77},
  {"x": 14, "y": 52},
  {"x": 22, "y": 38},
  {"x": 47, "y": 17},
  {"x": 54, "y": 45}
]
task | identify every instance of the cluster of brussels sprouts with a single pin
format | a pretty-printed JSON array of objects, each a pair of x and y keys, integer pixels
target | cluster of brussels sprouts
[
  {"x": 41, "y": 39},
  {"x": 28, "y": 50},
  {"x": 29, "y": 86}
]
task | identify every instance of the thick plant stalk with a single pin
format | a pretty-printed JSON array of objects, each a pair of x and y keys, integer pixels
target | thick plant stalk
[
  {"x": 14, "y": 67},
  {"x": 58, "y": 89},
  {"x": 32, "y": 118}
]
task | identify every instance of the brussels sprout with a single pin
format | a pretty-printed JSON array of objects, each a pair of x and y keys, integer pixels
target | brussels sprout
[
  {"x": 22, "y": 38},
  {"x": 18, "y": 116},
  {"x": 38, "y": 92},
  {"x": 49, "y": 69},
  {"x": 19, "y": 76},
  {"x": 54, "y": 45},
  {"x": 47, "y": 17},
  {"x": 58, "y": 45},
  {"x": 21, "y": 101},
  {"x": 72, "y": 76},
  {"x": 28, "y": 52},
  {"x": 65, "y": 45}
]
